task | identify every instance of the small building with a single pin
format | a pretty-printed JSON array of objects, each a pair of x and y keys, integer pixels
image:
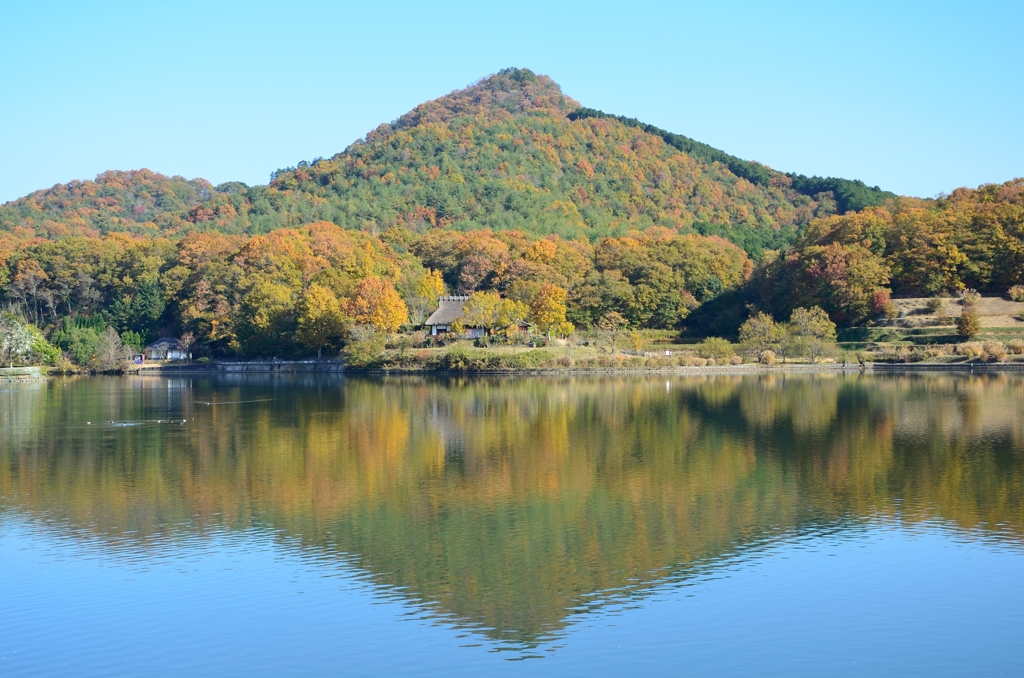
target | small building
[
  {"x": 165, "y": 348},
  {"x": 450, "y": 309}
]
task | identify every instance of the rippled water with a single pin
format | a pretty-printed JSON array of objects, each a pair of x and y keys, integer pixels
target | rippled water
[{"x": 735, "y": 525}]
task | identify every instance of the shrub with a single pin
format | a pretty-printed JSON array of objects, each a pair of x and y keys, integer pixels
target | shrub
[
  {"x": 1015, "y": 346},
  {"x": 458, "y": 358},
  {"x": 419, "y": 339},
  {"x": 767, "y": 358},
  {"x": 911, "y": 354},
  {"x": 1016, "y": 293},
  {"x": 63, "y": 364},
  {"x": 692, "y": 361},
  {"x": 735, "y": 360},
  {"x": 969, "y": 297},
  {"x": 969, "y": 323},
  {"x": 400, "y": 342},
  {"x": 901, "y": 354},
  {"x": 365, "y": 346},
  {"x": 715, "y": 348},
  {"x": 994, "y": 351},
  {"x": 40, "y": 350},
  {"x": 971, "y": 349},
  {"x": 880, "y": 301},
  {"x": 936, "y": 304},
  {"x": 936, "y": 351}
]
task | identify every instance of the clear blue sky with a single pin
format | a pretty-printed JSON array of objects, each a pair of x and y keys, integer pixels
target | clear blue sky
[{"x": 918, "y": 97}]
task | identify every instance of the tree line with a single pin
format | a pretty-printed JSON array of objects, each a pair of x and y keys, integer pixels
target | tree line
[
  {"x": 852, "y": 264},
  {"x": 319, "y": 287},
  {"x": 312, "y": 289}
]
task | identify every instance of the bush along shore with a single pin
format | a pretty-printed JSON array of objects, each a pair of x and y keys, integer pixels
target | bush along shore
[{"x": 466, "y": 360}]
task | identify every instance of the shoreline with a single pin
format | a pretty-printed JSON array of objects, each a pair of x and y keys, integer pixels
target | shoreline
[
  {"x": 308, "y": 367},
  {"x": 750, "y": 368}
]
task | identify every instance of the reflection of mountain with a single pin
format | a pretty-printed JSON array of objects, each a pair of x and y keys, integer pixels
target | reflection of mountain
[{"x": 502, "y": 503}]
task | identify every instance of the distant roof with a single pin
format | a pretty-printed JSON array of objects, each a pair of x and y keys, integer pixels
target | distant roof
[
  {"x": 448, "y": 310},
  {"x": 164, "y": 343}
]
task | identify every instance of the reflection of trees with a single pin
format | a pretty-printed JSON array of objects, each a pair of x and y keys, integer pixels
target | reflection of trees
[{"x": 503, "y": 502}]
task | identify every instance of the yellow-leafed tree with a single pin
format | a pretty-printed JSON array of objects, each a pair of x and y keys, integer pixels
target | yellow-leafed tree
[
  {"x": 493, "y": 313},
  {"x": 431, "y": 285},
  {"x": 378, "y": 304},
  {"x": 548, "y": 310},
  {"x": 320, "y": 321}
]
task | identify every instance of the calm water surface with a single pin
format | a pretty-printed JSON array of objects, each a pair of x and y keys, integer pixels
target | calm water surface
[{"x": 734, "y": 525}]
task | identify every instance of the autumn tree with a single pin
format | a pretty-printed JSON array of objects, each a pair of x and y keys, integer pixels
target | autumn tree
[
  {"x": 264, "y": 321},
  {"x": 760, "y": 333},
  {"x": 493, "y": 313},
  {"x": 377, "y": 304},
  {"x": 811, "y": 333},
  {"x": 186, "y": 341},
  {"x": 968, "y": 323},
  {"x": 548, "y": 311},
  {"x": 842, "y": 279},
  {"x": 28, "y": 287},
  {"x": 320, "y": 322},
  {"x": 428, "y": 289},
  {"x": 611, "y": 323},
  {"x": 111, "y": 353},
  {"x": 812, "y": 322}
]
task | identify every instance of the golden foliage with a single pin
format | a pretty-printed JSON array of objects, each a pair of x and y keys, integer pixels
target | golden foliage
[{"x": 376, "y": 303}]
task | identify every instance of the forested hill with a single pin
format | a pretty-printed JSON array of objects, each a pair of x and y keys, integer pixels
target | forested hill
[
  {"x": 510, "y": 152},
  {"x": 848, "y": 194},
  {"x": 506, "y": 190}
]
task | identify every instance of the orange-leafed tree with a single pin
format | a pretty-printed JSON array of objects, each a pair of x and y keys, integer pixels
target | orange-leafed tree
[{"x": 378, "y": 304}]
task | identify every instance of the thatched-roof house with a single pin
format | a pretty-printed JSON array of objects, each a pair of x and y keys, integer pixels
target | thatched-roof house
[{"x": 450, "y": 309}]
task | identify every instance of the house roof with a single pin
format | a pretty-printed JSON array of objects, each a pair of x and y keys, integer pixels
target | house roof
[
  {"x": 164, "y": 344},
  {"x": 448, "y": 309}
]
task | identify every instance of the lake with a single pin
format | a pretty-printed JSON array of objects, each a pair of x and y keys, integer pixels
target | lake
[{"x": 745, "y": 525}]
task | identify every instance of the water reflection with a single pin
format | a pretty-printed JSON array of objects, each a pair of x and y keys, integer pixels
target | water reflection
[{"x": 508, "y": 505}]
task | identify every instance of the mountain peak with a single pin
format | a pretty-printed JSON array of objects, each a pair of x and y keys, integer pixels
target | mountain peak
[{"x": 507, "y": 93}]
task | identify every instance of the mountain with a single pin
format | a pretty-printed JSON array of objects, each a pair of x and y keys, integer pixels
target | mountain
[
  {"x": 509, "y": 188},
  {"x": 511, "y": 152}
]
